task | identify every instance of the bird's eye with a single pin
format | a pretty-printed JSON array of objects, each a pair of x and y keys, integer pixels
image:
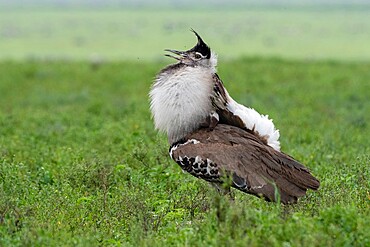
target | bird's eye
[{"x": 198, "y": 55}]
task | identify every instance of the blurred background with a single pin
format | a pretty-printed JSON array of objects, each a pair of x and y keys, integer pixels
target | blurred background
[{"x": 142, "y": 29}]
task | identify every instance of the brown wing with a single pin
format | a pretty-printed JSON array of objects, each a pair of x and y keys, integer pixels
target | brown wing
[
  {"x": 253, "y": 166},
  {"x": 219, "y": 102}
]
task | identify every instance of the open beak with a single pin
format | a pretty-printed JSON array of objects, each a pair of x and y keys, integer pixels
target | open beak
[{"x": 181, "y": 54}]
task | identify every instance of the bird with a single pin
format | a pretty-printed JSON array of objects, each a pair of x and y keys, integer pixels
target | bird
[{"x": 216, "y": 139}]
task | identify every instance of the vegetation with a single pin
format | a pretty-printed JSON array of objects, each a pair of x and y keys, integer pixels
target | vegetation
[
  {"x": 141, "y": 34},
  {"x": 81, "y": 165}
]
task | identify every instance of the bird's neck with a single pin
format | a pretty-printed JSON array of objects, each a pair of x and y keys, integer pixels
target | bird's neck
[{"x": 180, "y": 100}]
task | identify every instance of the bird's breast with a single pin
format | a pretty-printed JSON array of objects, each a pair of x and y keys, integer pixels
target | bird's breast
[{"x": 180, "y": 101}]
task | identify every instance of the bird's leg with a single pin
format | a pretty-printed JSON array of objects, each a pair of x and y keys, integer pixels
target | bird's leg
[
  {"x": 225, "y": 191},
  {"x": 211, "y": 121}
]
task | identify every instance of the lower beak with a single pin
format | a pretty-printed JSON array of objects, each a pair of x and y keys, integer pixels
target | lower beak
[{"x": 181, "y": 54}]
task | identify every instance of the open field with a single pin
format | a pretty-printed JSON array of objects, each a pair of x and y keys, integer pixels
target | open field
[
  {"x": 139, "y": 34},
  {"x": 81, "y": 165}
]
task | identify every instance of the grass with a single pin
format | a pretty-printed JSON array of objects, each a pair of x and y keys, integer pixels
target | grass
[
  {"x": 140, "y": 34},
  {"x": 81, "y": 165}
]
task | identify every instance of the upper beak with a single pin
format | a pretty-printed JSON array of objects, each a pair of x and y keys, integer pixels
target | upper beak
[{"x": 182, "y": 54}]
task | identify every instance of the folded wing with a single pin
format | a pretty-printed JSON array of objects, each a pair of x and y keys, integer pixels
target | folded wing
[{"x": 252, "y": 166}]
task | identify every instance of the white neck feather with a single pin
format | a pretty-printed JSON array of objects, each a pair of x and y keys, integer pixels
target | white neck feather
[{"x": 180, "y": 100}]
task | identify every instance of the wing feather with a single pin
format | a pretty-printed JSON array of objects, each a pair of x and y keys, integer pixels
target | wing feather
[{"x": 254, "y": 167}]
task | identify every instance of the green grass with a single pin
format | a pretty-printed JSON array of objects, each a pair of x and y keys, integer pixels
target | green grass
[
  {"x": 141, "y": 34},
  {"x": 81, "y": 165}
]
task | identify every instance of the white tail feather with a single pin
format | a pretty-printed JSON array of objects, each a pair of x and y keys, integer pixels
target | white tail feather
[{"x": 255, "y": 121}]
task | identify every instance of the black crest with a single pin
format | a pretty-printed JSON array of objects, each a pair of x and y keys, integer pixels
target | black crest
[{"x": 201, "y": 47}]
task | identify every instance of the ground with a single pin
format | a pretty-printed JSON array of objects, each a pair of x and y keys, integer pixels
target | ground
[{"x": 82, "y": 165}]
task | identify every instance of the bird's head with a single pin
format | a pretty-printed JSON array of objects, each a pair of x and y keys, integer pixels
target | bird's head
[{"x": 199, "y": 55}]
